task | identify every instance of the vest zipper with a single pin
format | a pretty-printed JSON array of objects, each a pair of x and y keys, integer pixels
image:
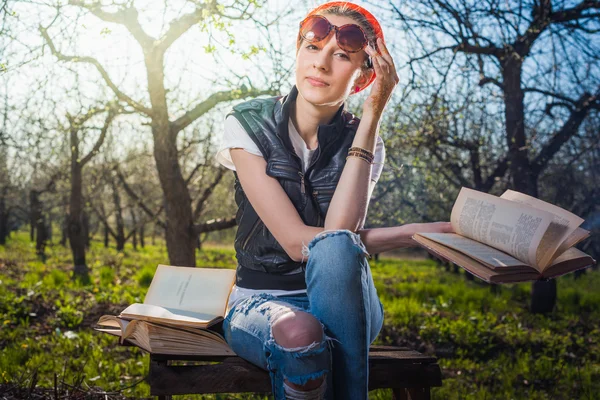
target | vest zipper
[
  {"x": 316, "y": 192},
  {"x": 251, "y": 233},
  {"x": 317, "y": 208},
  {"x": 320, "y": 151},
  {"x": 302, "y": 184},
  {"x": 302, "y": 188}
]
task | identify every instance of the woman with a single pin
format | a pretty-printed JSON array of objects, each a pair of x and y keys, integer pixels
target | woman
[{"x": 304, "y": 306}]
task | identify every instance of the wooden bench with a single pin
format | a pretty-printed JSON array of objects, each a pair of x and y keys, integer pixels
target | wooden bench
[{"x": 408, "y": 373}]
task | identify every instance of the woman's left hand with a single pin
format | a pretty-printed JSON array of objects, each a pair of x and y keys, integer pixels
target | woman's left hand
[
  {"x": 434, "y": 227},
  {"x": 385, "y": 81}
]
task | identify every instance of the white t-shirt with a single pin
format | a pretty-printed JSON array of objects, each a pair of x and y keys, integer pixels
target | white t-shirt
[{"x": 235, "y": 136}]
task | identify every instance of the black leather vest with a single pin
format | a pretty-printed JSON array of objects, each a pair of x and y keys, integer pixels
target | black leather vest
[{"x": 262, "y": 262}]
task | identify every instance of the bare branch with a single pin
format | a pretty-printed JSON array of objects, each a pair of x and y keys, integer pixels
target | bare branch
[
  {"x": 485, "y": 80},
  {"x": 140, "y": 203},
  {"x": 196, "y": 168},
  {"x": 112, "y": 112},
  {"x": 180, "y": 26},
  {"x": 551, "y": 94},
  {"x": 127, "y": 17},
  {"x": 207, "y": 192},
  {"x": 576, "y": 12},
  {"x": 214, "y": 225},
  {"x": 568, "y": 130},
  {"x": 490, "y": 50},
  {"x": 498, "y": 173},
  {"x": 101, "y": 214},
  {"x": 90, "y": 60},
  {"x": 214, "y": 99}
]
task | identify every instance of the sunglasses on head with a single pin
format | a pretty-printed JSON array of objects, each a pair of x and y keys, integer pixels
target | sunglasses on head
[{"x": 349, "y": 37}]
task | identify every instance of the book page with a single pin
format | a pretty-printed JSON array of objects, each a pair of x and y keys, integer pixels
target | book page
[
  {"x": 191, "y": 291},
  {"x": 139, "y": 311},
  {"x": 498, "y": 275},
  {"x": 113, "y": 321},
  {"x": 577, "y": 236},
  {"x": 563, "y": 224},
  {"x": 493, "y": 258},
  {"x": 514, "y": 228},
  {"x": 571, "y": 260}
]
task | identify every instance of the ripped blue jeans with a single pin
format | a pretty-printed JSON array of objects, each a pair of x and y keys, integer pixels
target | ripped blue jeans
[{"x": 342, "y": 296}]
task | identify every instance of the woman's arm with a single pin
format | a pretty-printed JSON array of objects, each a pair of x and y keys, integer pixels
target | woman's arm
[
  {"x": 272, "y": 204},
  {"x": 348, "y": 207},
  {"x": 378, "y": 240},
  {"x": 276, "y": 210}
]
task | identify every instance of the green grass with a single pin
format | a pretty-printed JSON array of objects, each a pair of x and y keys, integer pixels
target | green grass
[{"x": 488, "y": 345}]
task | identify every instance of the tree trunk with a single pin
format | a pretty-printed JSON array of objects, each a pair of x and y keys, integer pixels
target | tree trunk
[
  {"x": 178, "y": 207},
  {"x": 119, "y": 217},
  {"x": 105, "y": 236},
  {"x": 514, "y": 111},
  {"x": 3, "y": 220},
  {"x": 41, "y": 238},
  {"x": 134, "y": 233},
  {"x": 75, "y": 226},
  {"x": 49, "y": 227},
  {"x": 543, "y": 293},
  {"x": 75, "y": 223},
  {"x": 142, "y": 235},
  {"x": 86, "y": 229},
  {"x": 64, "y": 226},
  {"x": 34, "y": 212}
]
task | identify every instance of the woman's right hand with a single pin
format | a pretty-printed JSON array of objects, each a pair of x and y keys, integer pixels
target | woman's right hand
[{"x": 385, "y": 81}]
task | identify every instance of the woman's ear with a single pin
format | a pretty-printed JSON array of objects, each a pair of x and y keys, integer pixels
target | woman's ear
[{"x": 363, "y": 79}]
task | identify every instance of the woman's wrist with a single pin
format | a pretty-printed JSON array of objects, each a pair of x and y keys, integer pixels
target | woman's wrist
[
  {"x": 366, "y": 134},
  {"x": 372, "y": 117}
]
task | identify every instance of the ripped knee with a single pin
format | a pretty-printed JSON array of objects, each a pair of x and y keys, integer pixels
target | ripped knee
[
  {"x": 299, "y": 349},
  {"x": 297, "y": 329}
]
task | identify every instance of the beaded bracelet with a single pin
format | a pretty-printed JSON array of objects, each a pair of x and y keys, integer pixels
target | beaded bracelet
[
  {"x": 361, "y": 150},
  {"x": 367, "y": 155},
  {"x": 357, "y": 155}
]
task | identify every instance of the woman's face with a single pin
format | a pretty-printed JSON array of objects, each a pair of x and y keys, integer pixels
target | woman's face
[{"x": 327, "y": 61}]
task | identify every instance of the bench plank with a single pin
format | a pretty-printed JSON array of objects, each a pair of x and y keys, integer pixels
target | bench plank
[{"x": 388, "y": 368}]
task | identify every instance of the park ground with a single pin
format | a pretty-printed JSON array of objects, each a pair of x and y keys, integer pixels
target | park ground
[{"x": 488, "y": 344}]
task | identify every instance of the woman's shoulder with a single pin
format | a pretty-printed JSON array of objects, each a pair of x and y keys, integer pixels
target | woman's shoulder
[{"x": 256, "y": 104}]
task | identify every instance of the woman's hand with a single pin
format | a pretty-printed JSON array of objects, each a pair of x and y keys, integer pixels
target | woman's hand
[
  {"x": 385, "y": 81},
  {"x": 434, "y": 227}
]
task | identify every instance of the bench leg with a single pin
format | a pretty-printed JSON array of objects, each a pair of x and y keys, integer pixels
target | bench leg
[
  {"x": 161, "y": 363},
  {"x": 411, "y": 394},
  {"x": 399, "y": 394}
]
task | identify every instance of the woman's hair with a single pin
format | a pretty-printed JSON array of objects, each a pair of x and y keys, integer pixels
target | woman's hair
[{"x": 360, "y": 16}]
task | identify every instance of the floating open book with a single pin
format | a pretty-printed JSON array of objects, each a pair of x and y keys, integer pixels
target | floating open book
[
  {"x": 511, "y": 238},
  {"x": 181, "y": 305}
]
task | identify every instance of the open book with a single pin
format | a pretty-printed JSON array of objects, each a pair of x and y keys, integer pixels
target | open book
[
  {"x": 511, "y": 238},
  {"x": 181, "y": 305},
  {"x": 164, "y": 339}
]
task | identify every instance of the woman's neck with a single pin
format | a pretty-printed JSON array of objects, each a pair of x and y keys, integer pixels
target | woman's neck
[{"x": 312, "y": 117}]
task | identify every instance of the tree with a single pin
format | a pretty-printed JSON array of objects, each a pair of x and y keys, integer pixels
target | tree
[
  {"x": 179, "y": 223},
  {"x": 76, "y": 229},
  {"x": 532, "y": 52}
]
